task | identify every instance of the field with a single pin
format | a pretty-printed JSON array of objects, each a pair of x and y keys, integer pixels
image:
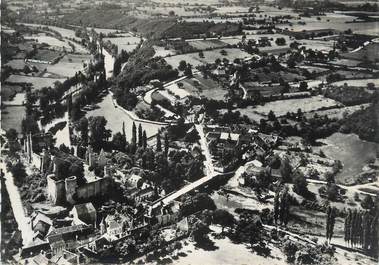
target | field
[
  {"x": 369, "y": 52},
  {"x": 11, "y": 117},
  {"x": 8, "y": 92},
  {"x": 209, "y": 57},
  {"x": 115, "y": 117},
  {"x": 104, "y": 31},
  {"x": 37, "y": 82},
  {"x": 66, "y": 33},
  {"x": 46, "y": 55},
  {"x": 162, "y": 52},
  {"x": 347, "y": 62},
  {"x": 337, "y": 113},
  {"x": 332, "y": 20},
  {"x": 66, "y": 67},
  {"x": 206, "y": 44},
  {"x": 357, "y": 82},
  {"x": 281, "y": 107},
  {"x": 198, "y": 86},
  {"x": 127, "y": 43},
  {"x": 17, "y": 64},
  {"x": 52, "y": 41}
]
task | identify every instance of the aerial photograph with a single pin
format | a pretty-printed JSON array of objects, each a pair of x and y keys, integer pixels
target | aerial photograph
[{"x": 189, "y": 132}]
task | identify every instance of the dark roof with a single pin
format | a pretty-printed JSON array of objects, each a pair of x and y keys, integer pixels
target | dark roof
[
  {"x": 69, "y": 230},
  {"x": 86, "y": 212}
]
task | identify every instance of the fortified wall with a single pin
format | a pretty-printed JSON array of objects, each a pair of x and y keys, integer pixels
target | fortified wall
[{"x": 69, "y": 191}]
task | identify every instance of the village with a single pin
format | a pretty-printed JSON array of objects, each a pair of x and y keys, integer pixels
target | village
[{"x": 177, "y": 133}]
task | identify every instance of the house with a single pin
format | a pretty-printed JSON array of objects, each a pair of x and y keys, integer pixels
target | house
[
  {"x": 69, "y": 237},
  {"x": 40, "y": 224},
  {"x": 144, "y": 194},
  {"x": 116, "y": 226},
  {"x": 84, "y": 214}
]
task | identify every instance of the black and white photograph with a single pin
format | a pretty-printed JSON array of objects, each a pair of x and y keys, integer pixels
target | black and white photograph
[{"x": 189, "y": 132}]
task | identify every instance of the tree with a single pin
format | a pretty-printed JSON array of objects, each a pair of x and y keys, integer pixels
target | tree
[
  {"x": 271, "y": 116},
  {"x": 144, "y": 139},
  {"x": 82, "y": 127},
  {"x": 286, "y": 170},
  {"x": 300, "y": 184},
  {"x": 303, "y": 86},
  {"x": 119, "y": 142},
  {"x": 134, "y": 134},
  {"x": 290, "y": 249},
  {"x": 182, "y": 65},
  {"x": 166, "y": 144},
  {"x": 280, "y": 41},
  {"x": 18, "y": 172},
  {"x": 223, "y": 218},
  {"x": 29, "y": 125},
  {"x": 201, "y": 54},
  {"x": 367, "y": 202},
  {"x": 188, "y": 70},
  {"x": 330, "y": 221},
  {"x": 332, "y": 192},
  {"x": 329, "y": 178},
  {"x": 98, "y": 132},
  {"x": 159, "y": 144},
  {"x": 140, "y": 136},
  {"x": 200, "y": 231},
  {"x": 11, "y": 135}
]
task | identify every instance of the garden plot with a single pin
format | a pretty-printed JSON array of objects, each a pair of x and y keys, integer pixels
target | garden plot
[
  {"x": 209, "y": 57},
  {"x": 178, "y": 92},
  {"x": 37, "y": 82},
  {"x": 201, "y": 87},
  {"x": 281, "y": 107}
]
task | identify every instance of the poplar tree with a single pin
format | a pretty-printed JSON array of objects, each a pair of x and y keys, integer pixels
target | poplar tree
[
  {"x": 166, "y": 144},
  {"x": 159, "y": 144},
  {"x": 330, "y": 221},
  {"x": 144, "y": 139},
  {"x": 140, "y": 136}
]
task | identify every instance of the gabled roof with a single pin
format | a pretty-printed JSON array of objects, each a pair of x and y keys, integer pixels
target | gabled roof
[
  {"x": 86, "y": 212},
  {"x": 68, "y": 230}
]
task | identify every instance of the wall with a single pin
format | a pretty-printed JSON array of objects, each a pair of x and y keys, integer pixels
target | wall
[
  {"x": 99, "y": 187},
  {"x": 56, "y": 190}
]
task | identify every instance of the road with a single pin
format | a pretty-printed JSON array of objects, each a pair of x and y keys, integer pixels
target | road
[
  {"x": 18, "y": 209},
  {"x": 354, "y": 188},
  {"x": 204, "y": 147},
  {"x": 192, "y": 186}
]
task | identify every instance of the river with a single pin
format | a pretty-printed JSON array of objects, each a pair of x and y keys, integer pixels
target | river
[{"x": 353, "y": 152}]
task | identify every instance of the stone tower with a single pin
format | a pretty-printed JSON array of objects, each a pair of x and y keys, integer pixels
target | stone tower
[{"x": 70, "y": 186}]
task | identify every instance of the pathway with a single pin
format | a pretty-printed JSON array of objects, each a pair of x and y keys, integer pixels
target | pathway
[{"x": 18, "y": 209}]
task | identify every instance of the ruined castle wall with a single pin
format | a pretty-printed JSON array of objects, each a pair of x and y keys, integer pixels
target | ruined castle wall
[
  {"x": 56, "y": 190},
  {"x": 100, "y": 187}
]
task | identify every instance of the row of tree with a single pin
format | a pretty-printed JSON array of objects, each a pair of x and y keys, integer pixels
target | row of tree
[{"x": 361, "y": 228}]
